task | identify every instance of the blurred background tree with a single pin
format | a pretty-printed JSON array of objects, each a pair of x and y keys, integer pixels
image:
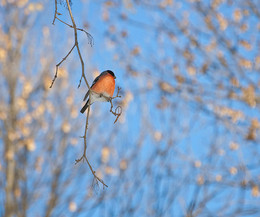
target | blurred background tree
[{"x": 187, "y": 143}]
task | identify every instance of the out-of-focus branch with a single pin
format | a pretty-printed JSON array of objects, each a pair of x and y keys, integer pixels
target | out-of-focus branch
[{"x": 54, "y": 195}]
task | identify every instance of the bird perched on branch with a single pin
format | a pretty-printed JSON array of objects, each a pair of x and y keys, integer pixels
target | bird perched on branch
[{"x": 102, "y": 89}]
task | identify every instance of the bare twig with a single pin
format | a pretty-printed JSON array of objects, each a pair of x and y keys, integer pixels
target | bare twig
[
  {"x": 84, "y": 156},
  {"x": 90, "y": 41},
  {"x": 57, "y": 66},
  {"x": 117, "y": 94},
  {"x": 77, "y": 45},
  {"x": 118, "y": 110},
  {"x": 56, "y": 12},
  {"x": 85, "y": 135},
  {"x": 90, "y": 37},
  {"x": 93, "y": 171}
]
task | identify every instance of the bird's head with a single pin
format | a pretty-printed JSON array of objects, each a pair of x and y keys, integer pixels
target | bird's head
[{"x": 111, "y": 73}]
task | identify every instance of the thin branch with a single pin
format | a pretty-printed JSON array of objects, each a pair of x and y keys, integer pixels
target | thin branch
[
  {"x": 84, "y": 156},
  {"x": 64, "y": 22},
  {"x": 90, "y": 41},
  {"x": 118, "y": 110},
  {"x": 56, "y": 12},
  {"x": 86, "y": 129},
  {"x": 57, "y": 66},
  {"x": 93, "y": 171},
  {"x": 77, "y": 45},
  {"x": 117, "y": 94},
  {"x": 85, "y": 79},
  {"x": 90, "y": 37}
]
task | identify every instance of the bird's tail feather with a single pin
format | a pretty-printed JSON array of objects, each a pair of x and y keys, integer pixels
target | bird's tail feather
[
  {"x": 84, "y": 107},
  {"x": 86, "y": 96}
]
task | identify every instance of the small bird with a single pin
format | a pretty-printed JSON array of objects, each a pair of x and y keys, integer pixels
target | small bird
[{"x": 102, "y": 89}]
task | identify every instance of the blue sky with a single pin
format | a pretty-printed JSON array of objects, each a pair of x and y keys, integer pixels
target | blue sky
[
  {"x": 196, "y": 133},
  {"x": 176, "y": 153}
]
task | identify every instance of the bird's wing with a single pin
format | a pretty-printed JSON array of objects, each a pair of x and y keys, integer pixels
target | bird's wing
[
  {"x": 86, "y": 96},
  {"x": 95, "y": 81},
  {"x": 98, "y": 77}
]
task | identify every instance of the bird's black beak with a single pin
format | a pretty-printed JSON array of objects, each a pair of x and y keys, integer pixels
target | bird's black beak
[{"x": 114, "y": 77}]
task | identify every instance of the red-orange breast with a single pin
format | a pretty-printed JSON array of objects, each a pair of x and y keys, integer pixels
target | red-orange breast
[{"x": 105, "y": 84}]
